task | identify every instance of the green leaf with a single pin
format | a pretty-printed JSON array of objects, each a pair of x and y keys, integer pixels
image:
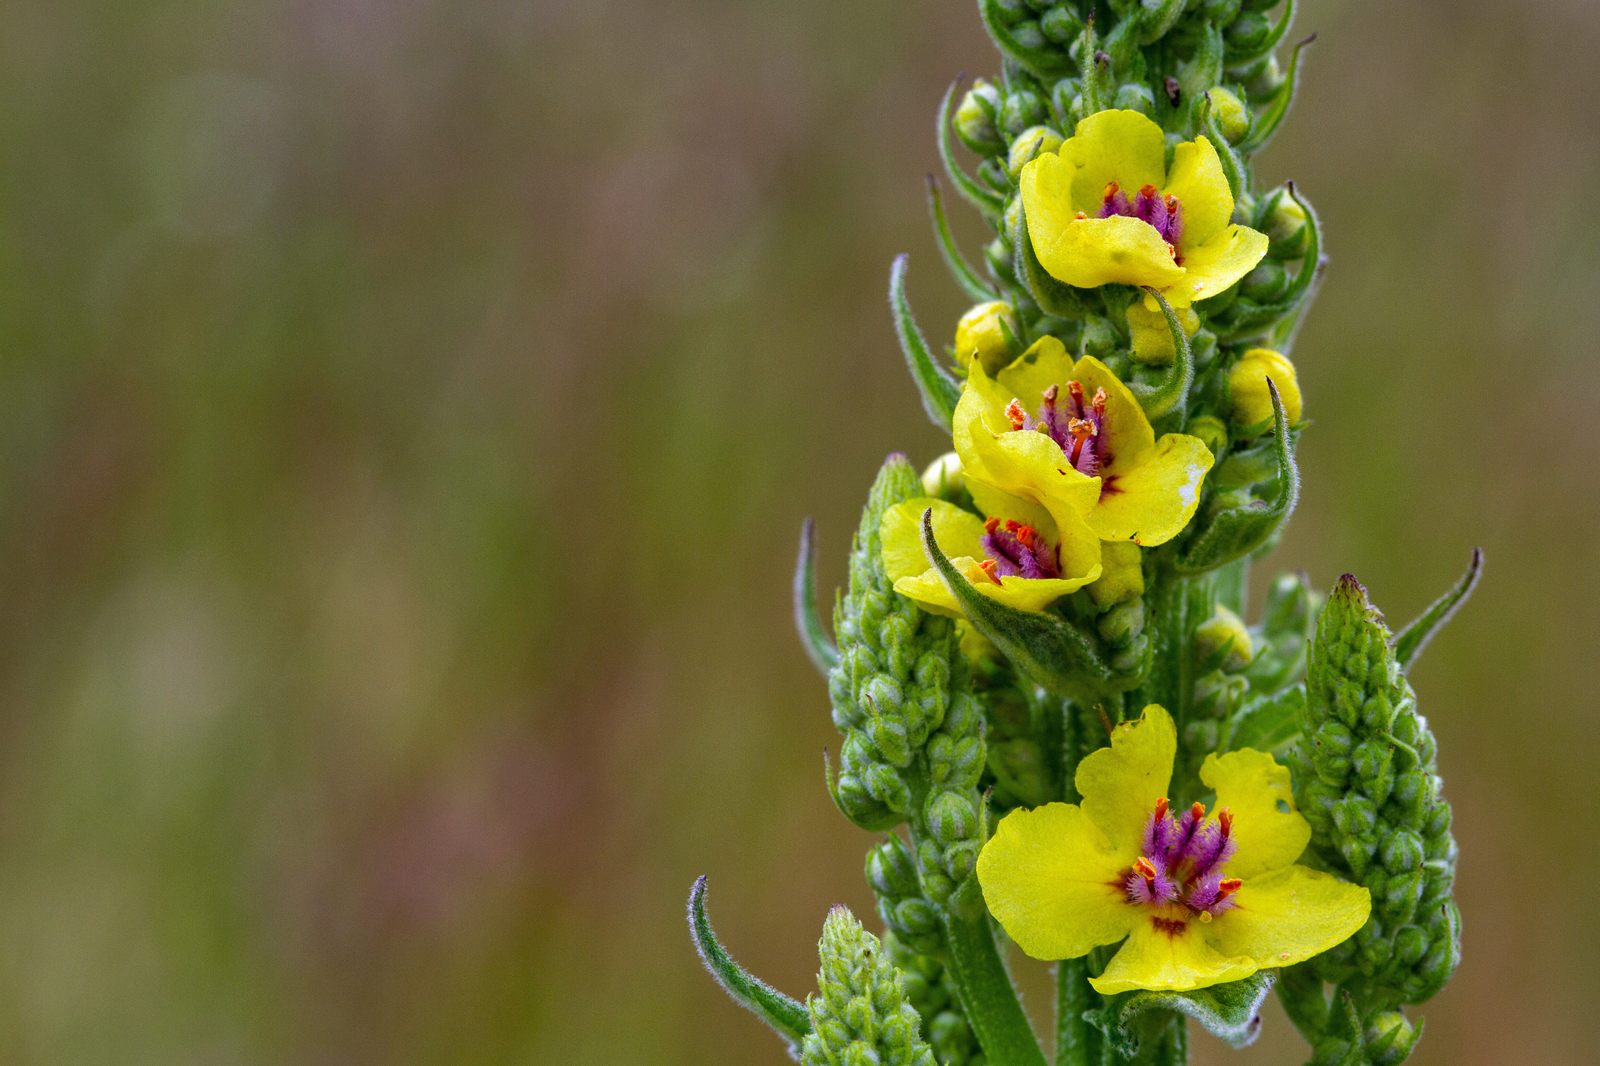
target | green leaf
[
  {"x": 984, "y": 988},
  {"x": 1409, "y": 642},
  {"x": 990, "y": 204},
  {"x": 1047, "y": 648},
  {"x": 1230, "y": 1012},
  {"x": 939, "y": 390},
  {"x": 787, "y": 1017},
  {"x": 824, "y": 656},
  {"x": 1268, "y": 722},
  {"x": 1231, "y": 167},
  {"x": 1172, "y": 393},
  {"x": 965, "y": 276},
  {"x": 1267, "y": 123},
  {"x": 1235, "y": 533}
]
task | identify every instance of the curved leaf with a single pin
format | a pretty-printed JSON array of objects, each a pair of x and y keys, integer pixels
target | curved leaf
[
  {"x": 973, "y": 285},
  {"x": 824, "y": 656},
  {"x": 989, "y": 203},
  {"x": 1267, "y": 123},
  {"x": 939, "y": 390},
  {"x": 1235, "y": 533},
  {"x": 1409, "y": 642},
  {"x": 786, "y": 1016},
  {"x": 1173, "y": 391}
]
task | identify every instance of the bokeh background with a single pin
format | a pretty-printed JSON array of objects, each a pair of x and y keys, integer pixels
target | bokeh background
[{"x": 407, "y": 411}]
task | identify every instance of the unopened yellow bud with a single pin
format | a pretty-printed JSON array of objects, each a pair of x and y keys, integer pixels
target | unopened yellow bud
[
  {"x": 1152, "y": 337},
  {"x": 1121, "y": 573},
  {"x": 1247, "y": 385},
  {"x": 942, "y": 479},
  {"x": 1233, "y": 118},
  {"x": 987, "y": 333},
  {"x": 1210, "y": 430},
  {"x": 1225, "y": 630},
  {"x": 1034, "y": 141}
]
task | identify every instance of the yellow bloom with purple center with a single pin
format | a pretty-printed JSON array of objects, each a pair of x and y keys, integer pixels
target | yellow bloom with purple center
[
  {"x": 1018, "y": 556},
  {"x": 1198, "y": 899},
  {"x": 1073, "y": 439},
  {"x": 1106, "y": 208}
]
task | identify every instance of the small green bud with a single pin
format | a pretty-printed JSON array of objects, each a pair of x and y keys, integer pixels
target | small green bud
[
  {"x": 1060, "y": 24},
  {"x": 1122, "y": 623},
  {"x": 1285, "y": 226},
  {"x": 988, "y": 332},
  {"x": 952, "y": 817},
  {"x": 1213, "y": 432},
  {"x": 1135, "y": 96},
  {"x": 1022, "y": 108},
  {"x": 997, "y": 253},
  {"x": 1233, "y": 117},
  {"x": 1264, "y": 84},
  {"x": 1030, "y": 143},
  {"x": 888, "y": 787},
  {"x": 1390, "y": 1039},
  {"x": 1248, "y": 32},
  {"x": 1225, "y": 630},
  {"x": 975, "y": 119},
  {"x": 891, "y": 871},
  {"x": 1355, "y": 816},
  {"x": 1265, "y": 284},
  {"x": 1221, "y": 12}
]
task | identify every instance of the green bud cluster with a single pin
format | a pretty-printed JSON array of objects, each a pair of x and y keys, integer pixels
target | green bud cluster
[
  {"x": 860, "y": 1015},
  {"x": 1366, "y": 781},
  {"x": 931, "y": 990}
]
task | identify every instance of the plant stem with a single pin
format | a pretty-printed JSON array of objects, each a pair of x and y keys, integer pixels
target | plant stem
[{"x": 987, "y": 995}]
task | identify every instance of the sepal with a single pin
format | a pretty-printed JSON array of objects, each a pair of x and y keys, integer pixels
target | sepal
[
  {"x": 954, "y": 261},
  {"x": 986, "y": 201},
  {"x": 786, "y": 1016}
]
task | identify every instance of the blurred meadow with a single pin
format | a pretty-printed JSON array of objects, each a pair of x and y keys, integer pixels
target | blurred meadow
[{"x": 407, "y": 413}]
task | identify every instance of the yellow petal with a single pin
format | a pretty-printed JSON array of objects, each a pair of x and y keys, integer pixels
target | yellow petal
[
  {"x": 1025, "y": 594},
  {"x": 1288, "y": 916},
  {"x": 1121, "y": 784},
  {"x": 1170, "y": 959},
  {"x": 999, "y": 504},
  {"x": 1051, "y": 879},
  {"x": 1223, "y": 259},
  {"x": 957, "y": 532},
  {"x": 1100, "y": 251},
  {"x": 1044, "y": 364},
  {"x": 1129, "y": 436},
  {"x": 1197, "y": 180},
  {"x": 1121, "y": 146},
  {"x": 1151, "y": 504},
  {"x": 1270, "y": 832}
]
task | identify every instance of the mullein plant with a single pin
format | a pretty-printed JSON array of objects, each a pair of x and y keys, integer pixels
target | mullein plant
[{"x": 1052, "y": 708}]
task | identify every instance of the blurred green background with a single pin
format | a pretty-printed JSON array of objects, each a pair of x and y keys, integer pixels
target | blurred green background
[{"x": 407, "y": 412}]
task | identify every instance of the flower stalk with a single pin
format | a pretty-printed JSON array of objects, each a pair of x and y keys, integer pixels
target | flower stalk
[{"x": 1053, "y": 709}]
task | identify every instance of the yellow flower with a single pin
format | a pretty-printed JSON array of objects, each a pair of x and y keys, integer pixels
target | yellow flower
[
  {"x": 1073, "y": 439},
  {"x": 1201, "y": 899},
  {"x": 1105, "y": 208},
  {"x": 1019, "y": 556},
  {"x": 986, "y": 333},
  {"x": 1247, "y": 386}
]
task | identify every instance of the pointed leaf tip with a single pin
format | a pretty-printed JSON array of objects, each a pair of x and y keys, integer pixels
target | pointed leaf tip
[
  {"x": 824, "y": 656},
  {"x": 1409, "y": 642},
  {"x": 939, "y": 390},
  {"x": 787, "y": 1017}
]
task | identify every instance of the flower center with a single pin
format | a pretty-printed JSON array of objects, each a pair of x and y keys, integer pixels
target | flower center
[
  {"x": 1165, "y": 213},
  {"x": 1016, "y": 550},
  {"x": 1183, "y": 861},
  {"x": 1075, "y": 425}
]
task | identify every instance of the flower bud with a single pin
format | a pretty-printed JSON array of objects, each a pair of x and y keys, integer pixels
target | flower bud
[
  {"x": 1225, "y": 630},
  {"x": 1248, "y": 32},
  {"x": 1233, "y": 117},
  {"x": 1033, "y": 141},
  {"x": 1213, "y": 432},
  {"x": 1022, "y": 108},
  {"x": 1135, "y": 96},
  {"x": 891, "y": 871},
  {"x": 952, "y": 817},
  {"x": 1247, "y": 389},
  {"x": 942, "y": 478},
  {"x": 1220, "y": 12},
  {"x": 1266, "y": 284},
  {"x": 888, "y": 787},
  {"x": 1060, "y": 24},
  {"x": 1122, "y": 623},
  {"x": 860, "y": 1017},
  {"x": 1121, "y": 573},
  {"x": 975, "y": 119},
  {"x": 1390, "y": 1039},
  {"x": 988, "y": 333},
  {"x": 1285, "y": 227}
]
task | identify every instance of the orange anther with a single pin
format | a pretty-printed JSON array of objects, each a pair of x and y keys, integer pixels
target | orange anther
[
  {"x": 1080, "y": 217},
  {"x": 1112, "y": 188},
  {"x": 1229, "y": 886},
  {"x": 1099, "y": 403},
  {"x": 1050, "y": 395},
  {"x": 989, "y": 566},
  {"x": 1148, "y": 190},
  {"x": 1172, "y": 204},
  {"x": 1018, "y": 417},
  {"x": 1146, "y": 868},
  {"x": 991, "y": 525},
  {"x": 1027, "y": 536},
  {"x": 1161, "y": 808},
  {"x": 1077, "y": 392},
  {"x": 1198, "y": 812},
  {"x": 1081, "y": 427},
  {"x": 1225, "y": 816}
]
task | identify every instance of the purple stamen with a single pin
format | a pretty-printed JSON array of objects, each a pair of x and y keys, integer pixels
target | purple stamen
[
  {"x": 1183, "y": 858},
  {"x": 1018, "y": 551}
]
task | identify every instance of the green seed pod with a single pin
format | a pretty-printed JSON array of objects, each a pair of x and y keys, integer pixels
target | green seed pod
[{"x": 975, "y": 120}]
